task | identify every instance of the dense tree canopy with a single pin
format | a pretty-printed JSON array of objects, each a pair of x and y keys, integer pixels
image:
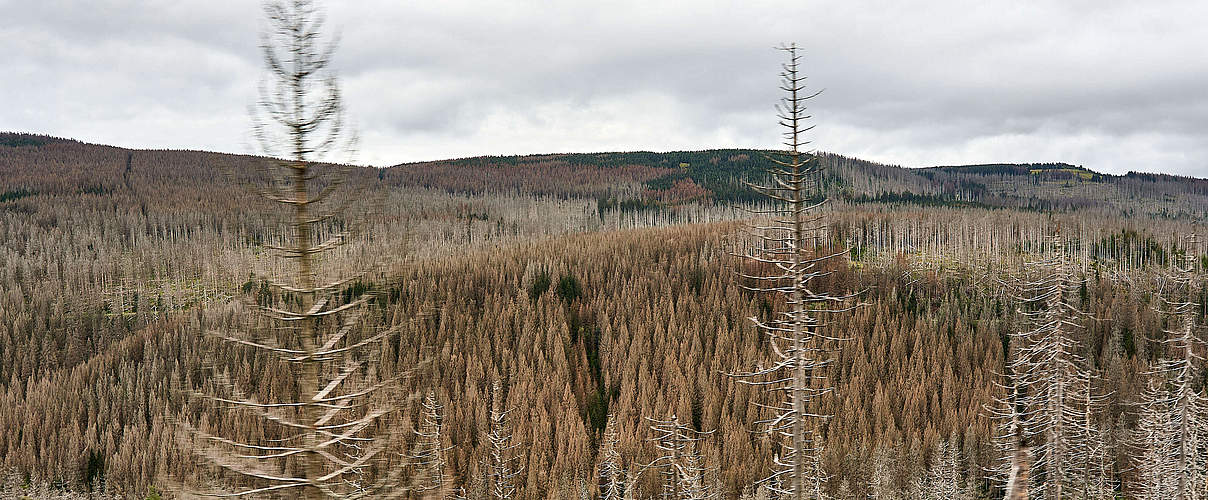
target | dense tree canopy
[{"x": 579, "y": 314}]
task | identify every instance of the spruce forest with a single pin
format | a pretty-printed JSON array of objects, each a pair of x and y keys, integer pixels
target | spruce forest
[{"x": 750, "y": 324}]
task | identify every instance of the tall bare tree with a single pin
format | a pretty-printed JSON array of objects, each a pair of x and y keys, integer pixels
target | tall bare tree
[
  {"x": 1015, "y": 456},
  {"x": 943, "y": 480},
  {"x": 791, "y": 253},
  {"x": 680, "y": 463},
  {"x": 502, "y": 461},
  {"x": 1044, "y": 417},
  {"x": 321, "y": 440},
  {"x": 1158, "y": 448},
  {"x": 1173, "y": 428},
  {"x": 611, "y": 475},
  {"x": 428, "y": 454},
  {"x": 1092, "y": 438}
]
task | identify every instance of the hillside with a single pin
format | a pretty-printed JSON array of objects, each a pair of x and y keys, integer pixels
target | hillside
[
  {"x": 33, "y": 164},
  {"x": 647, "y": 180},
  {"x": 590, "y": 284}
]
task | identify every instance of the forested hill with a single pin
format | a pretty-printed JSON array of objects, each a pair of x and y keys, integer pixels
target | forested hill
[
  {"x": 643, "y": 179},
  {"x": 31, "y": 164},
  {"x": 113, "y": 262}
]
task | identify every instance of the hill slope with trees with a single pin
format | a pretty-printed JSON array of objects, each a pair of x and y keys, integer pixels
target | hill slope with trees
[{"x": 112, "y": 260}]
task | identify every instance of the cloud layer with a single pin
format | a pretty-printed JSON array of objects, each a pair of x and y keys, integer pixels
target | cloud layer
[{"x": 1114, "y": 86}]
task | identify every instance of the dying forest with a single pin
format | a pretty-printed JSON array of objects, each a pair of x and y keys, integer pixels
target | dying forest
[{"x": 750, "y": 324}]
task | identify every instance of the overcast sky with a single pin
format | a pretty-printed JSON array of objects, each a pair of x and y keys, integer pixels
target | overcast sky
[{"x": 1114, "y": 86}]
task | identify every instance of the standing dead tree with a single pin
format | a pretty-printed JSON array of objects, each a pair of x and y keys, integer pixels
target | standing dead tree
[
  {"x": 680, "y": 464},
  {"x": 1004, "y": 412},
  {"x": 321, "y": 438},
  {"x": 1015, "y": 457},
  {"x": 1157, "y": 446},
  {"x": 943, "y": 480},
  {"x": 1043, "y": 417},
  {"x": 1017, "y": 482},
  {"x": 428, "y": 454},
  {"x": 1173, "y": 428},
  {"x": 1093, "y": 441},
  {"x": 791, "y": 253},
  {"x": 502, "y": 463},
  {"x": 611, "y": 475}
]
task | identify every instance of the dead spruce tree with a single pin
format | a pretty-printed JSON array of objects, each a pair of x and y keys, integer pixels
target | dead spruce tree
[
  {"x": 943, "y": 480},
  {"x": 1173, "y": 426},
  {"x": 1157, "y": 447},
  {"x": 680, "y": 464},
  {"x": 611, "y": 475},
  {"x": 428, "y": 453},
  {"x": 502, "y": 461},
  {"x": 1093, "y": 439},
  {"x": 319, "y": 439},
  {"x": 791, "y": 253},
  {"x": 1043, "y": 415},
  {"x": 1015, "y": 457}
]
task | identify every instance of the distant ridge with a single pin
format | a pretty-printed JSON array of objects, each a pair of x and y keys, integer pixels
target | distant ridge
[
  {"x": 19, "y": 139},
  {"x": 637, "y": 180}
]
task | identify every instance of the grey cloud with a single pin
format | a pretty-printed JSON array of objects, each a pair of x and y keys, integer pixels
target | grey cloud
[{"x": 1115, "y": 86}]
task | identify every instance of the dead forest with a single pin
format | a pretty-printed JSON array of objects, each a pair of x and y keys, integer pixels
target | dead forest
[
  {"x": 579, "y": 319},
  {"x": 724, "y": 324}
]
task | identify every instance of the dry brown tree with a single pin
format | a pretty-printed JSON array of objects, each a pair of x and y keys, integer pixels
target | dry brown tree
[
  {"x": 321, "y": 439},
  {"x": 791, "y": 253}
]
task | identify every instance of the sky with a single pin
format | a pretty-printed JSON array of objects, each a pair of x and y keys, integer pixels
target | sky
[{"x": 1110, "y": 85}]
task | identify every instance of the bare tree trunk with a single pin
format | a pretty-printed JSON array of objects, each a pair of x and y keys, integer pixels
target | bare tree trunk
[
  {"x": 502, "y": 468},
  {"x": 684, "y": 474},
  {"x": 1017, "y": 484},
  {"x": 788, "y": 245},
  {"x": 1047, "y": 371},
  {"x": 611, "y": 475},
  {"x": 308, "y": 384},
  {"x": 327, "y": 431},
  {"x": 1173, "y": 418}
]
